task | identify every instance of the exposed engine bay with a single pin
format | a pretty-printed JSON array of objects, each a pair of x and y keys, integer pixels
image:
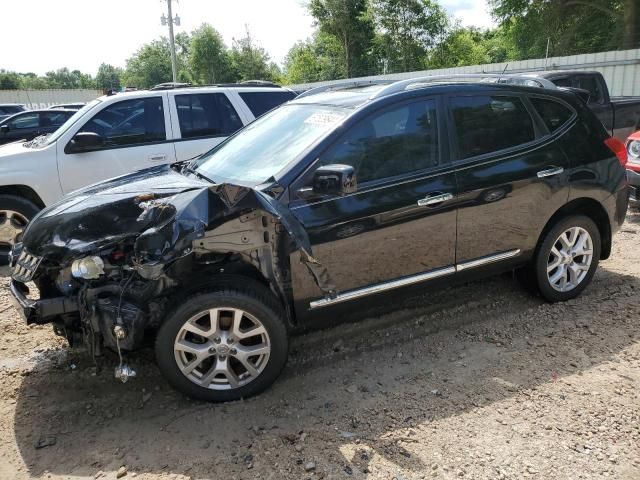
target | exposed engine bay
[{"x": 110, "y": 261}]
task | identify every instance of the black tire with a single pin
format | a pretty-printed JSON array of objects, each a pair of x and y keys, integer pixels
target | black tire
[
  {"x": 24, "y": 207},
  {"x": 252, "y": 298},
  {"x": 539, "y": 267}
]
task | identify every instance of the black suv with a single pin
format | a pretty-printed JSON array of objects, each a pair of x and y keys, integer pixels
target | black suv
[{"x": 331, "y": 202}]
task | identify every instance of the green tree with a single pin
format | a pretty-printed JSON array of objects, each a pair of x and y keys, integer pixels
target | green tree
[
  {"x": 9, "y": 80},
  {"x": 570, "y": 26},
  {"x": 209, "y": 57},
  {"x": 250, "y": 61},
  {"x": 317, "y": 59},
  {"x": 151, "y": 64},
  {"x": 408, "y": 29},
  {"x": 63, "y": 78},
  {"x": 108, "y": 77},
  {"x": 350, "y": 22}
]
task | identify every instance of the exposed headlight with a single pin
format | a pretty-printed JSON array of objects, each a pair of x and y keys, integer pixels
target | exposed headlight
[
  {"x": 89, "y": 268},
  {"x": 634, "y": 150}
]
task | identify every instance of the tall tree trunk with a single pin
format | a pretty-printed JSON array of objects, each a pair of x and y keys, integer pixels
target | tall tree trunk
[{"x": 631, "y": 24}]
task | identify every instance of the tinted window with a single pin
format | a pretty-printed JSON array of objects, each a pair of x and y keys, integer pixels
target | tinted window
[
  {"x": 591, "y": 84},
  {"x": 206, "y": 114},
  {"x": 487, "y": 124},
  {"x": 11, "y": 109},
  {"x": 53, "y": 119},
  {"x": 262, "y": 102},
  {"x": 553, "y": 114},
  {"x": 28, "y": 120},
  {"x": 394, "y": 142},
  {"x": 129, "y": 122}
]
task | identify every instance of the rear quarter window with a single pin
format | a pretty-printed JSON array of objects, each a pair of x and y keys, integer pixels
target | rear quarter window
[
  {"x": 553, "y": 114},
  {"x": 262, "y": 102}
]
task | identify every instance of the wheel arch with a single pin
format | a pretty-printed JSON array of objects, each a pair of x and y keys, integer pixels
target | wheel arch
[
  {"x": 233, "y": 272},
  {"x": 24, "y": 192},
  {"x": 590, "y": 208}
]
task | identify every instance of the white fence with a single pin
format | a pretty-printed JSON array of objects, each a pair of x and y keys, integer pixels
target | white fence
[
  {"x": 46, "y": 98},
  {"x": 621, "y": 69}
]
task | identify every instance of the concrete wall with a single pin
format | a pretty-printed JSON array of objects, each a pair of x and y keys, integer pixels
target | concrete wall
[
  {"x": 46, "y": 98},
  {"x": 621, "y": 69}
]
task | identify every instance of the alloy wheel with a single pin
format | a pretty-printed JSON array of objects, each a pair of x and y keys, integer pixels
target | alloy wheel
[
  {"x": 222, "y": 348},
  {"x": 12, "y": 224},
  {"x": 570, "y": 259}
]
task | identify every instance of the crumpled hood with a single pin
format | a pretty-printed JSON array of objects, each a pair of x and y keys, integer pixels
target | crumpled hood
[
  {"x": 106, "y": 213},
  {"x": 160, "y": 213}
]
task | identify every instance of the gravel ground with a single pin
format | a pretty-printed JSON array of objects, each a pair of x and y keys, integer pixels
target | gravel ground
[{"x": 479, "y": 381}]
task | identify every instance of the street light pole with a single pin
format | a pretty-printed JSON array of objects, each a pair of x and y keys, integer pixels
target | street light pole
[{"x": 172, "y": 42}]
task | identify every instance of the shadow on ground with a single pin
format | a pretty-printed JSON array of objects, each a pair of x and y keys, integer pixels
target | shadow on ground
[{"x": 439, "y": 356}]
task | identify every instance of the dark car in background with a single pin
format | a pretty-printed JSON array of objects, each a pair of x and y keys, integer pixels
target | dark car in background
[
  {"x": 619, "y": 115},
  {"x": 325, "y": 206},
  {"x": 8, "y": 109},
  {"x": 32, "y": 123}
]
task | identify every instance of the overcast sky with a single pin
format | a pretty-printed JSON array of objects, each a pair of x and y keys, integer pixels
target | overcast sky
[{"x": 43, "y": 35}]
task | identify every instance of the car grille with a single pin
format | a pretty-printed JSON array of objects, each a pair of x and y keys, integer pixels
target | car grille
[{"x": 25, "y": 267}]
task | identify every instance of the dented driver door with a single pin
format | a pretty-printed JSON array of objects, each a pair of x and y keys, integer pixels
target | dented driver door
[{"x": 399, "y": 227}]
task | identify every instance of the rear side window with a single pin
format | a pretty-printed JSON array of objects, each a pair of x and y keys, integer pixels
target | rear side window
[
  {"x": 28, "y": 120},
  {"x": 206, "y": 115},
  {"x": 553, "y": 114},
  {"x": 397, "y": 141},
  {"x": 129, "y": 122},
  {"x": 486, "y": 124},
  {"x": 262, "y": 102},
  {"x": 592, "y": 85}
]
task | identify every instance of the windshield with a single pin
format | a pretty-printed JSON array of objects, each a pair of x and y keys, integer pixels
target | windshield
[
  {"x": 72, "y": 119},
  {"x": 266, "y": 146}
]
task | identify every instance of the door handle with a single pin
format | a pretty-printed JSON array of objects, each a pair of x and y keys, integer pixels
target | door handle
[
  {"x": 431, "y": 200},
  {"x": 158, "y": 158},
  {"x": 550, "y": 172}
]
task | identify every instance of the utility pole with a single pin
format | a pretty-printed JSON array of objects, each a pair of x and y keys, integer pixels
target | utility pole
[{"x": 171, "y": 21}]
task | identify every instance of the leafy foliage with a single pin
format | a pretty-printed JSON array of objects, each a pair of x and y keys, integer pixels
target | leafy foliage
[
  {"x": 209, "y": 57},
  {"x": 108, "y": 77}
]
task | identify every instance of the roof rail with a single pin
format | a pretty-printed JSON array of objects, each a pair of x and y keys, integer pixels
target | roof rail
[
  {"x": 342, "y": 86},
  {"x": 170, "y": 85},
  {"x": 513, "y": 79},
  {"x": 246, "y": 83}
]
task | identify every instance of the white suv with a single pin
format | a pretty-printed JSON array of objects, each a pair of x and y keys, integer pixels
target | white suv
[{"x": 120, "y": 133}]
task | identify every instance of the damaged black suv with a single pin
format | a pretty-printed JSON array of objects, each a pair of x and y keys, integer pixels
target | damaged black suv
[{"x": 333, "y": 201}]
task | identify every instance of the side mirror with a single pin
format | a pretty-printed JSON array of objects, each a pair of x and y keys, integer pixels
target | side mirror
[
  {"x": 85, "y": 141},
  {"x": 335, "y": 180},
  {"x": 4, "y": 128}
]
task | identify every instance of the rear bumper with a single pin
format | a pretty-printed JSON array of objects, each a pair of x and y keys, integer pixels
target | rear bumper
[{"x": 39, "y": 311}]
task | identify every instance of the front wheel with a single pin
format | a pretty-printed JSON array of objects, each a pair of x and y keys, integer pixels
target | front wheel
[
  {"x": 224, "y": 345},
  {"x": 15, "y": 213},
  {"x": 567, "y": 258}
]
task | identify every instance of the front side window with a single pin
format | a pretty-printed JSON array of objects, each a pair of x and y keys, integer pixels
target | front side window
[
  {"x": 401, "y": 140},
  {"x": 28, "y": 120},
  {"x": 261, "y": 102},
  {"x": 129, "y": 122},
  {"x": 553, "y": 113},
  {"x": 206, "y": 115},
  {"x": 53, "y": 119},
  {"x": 486, "y": 124}
]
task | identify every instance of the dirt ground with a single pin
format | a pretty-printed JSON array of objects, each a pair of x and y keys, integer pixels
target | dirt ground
[{"x": 480, "y": 381}]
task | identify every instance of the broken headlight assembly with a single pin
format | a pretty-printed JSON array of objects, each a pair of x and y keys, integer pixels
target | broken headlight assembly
[{"x": 88, "y": 268}]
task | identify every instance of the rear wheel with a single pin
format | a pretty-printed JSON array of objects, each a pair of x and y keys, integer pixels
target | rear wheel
[
  {"x": 224, "y": 345},
  {"x": 15, "y": 213},
  {"x": 567, "y": 258}
]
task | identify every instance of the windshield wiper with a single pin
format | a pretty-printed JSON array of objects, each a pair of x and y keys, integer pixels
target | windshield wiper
[{"x": 187, "y": 168}]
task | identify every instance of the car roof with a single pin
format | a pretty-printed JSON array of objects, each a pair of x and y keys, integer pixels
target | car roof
[
  {"x": 559, "y": 73},
  {"x": 193, "y": 90},
  {"x": 358, "y": 97}
]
